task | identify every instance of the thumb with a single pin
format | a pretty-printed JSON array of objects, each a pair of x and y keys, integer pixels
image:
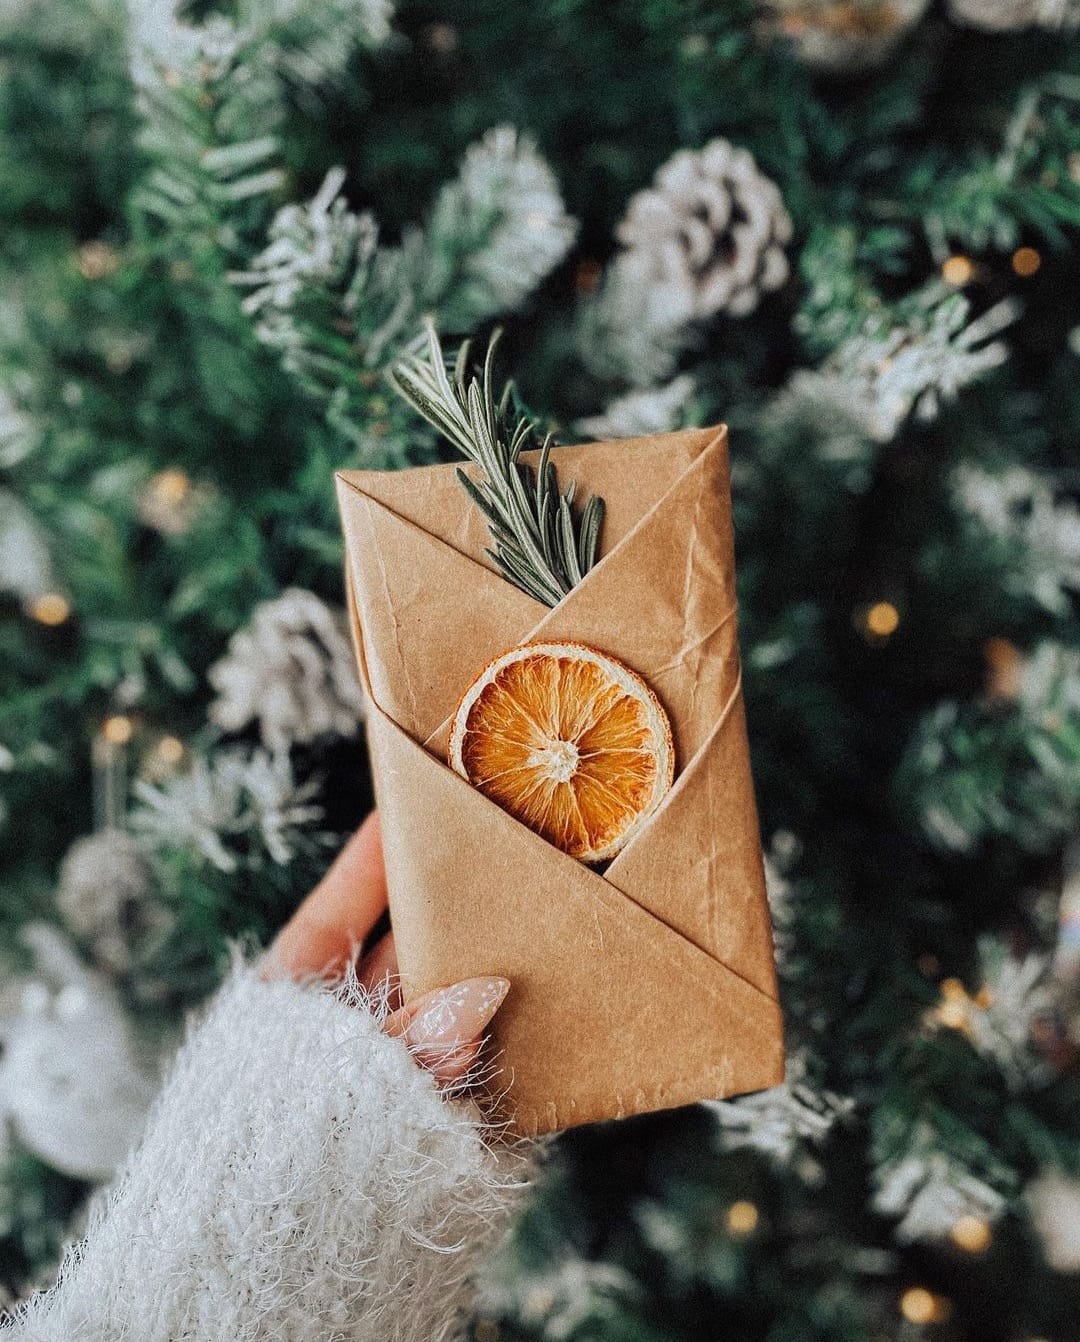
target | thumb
[{"x": 444, "y": 1028}]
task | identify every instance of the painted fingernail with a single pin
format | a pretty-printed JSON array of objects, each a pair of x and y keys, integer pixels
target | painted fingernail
[{"x": 449, "y": 1018}]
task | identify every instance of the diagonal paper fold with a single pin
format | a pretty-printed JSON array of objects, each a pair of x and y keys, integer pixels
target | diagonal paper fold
[{"x": 611, "y": 1012}]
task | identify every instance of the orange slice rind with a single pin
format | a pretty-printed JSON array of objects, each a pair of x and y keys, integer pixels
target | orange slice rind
[{"x": 568, "y": 741}]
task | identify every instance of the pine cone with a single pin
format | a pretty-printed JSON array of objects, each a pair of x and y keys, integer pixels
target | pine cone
[
  {"x": 711, "y": 231},
  {"x": 291, "y": 670},
  {"x": 842, "y": 37}
]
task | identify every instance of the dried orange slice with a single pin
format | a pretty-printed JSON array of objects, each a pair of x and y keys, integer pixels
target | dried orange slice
[{"x": 568, "y": 741}]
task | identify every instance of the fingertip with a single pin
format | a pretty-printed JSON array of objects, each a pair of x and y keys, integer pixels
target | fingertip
[
  {"x": 378, "y": 972},
  {"x": 444, "y": 1029},
  {"x": 325, "y": 933},
  {"x": 449, "y": 1068},
  {"x": 305, "y": 948}
]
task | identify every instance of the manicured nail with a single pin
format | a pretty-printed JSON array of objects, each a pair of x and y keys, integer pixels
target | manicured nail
[{"x": 449, "y": 1018}]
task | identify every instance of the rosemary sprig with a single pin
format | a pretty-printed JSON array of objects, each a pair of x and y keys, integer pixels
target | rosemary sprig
[{"x": 540, "y": 542}]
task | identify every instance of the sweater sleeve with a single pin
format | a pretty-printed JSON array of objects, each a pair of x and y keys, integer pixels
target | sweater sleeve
[{"x": 299, "y": 1178}]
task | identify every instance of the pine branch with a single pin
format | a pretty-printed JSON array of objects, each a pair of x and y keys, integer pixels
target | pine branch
[
  {"x": 212, "y": 108},
  {"x": 541, "y": 544},
  {"x": 328, "y": 296}
]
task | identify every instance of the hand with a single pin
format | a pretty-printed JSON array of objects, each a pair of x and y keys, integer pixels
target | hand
[{"x": 321, "y": 940}]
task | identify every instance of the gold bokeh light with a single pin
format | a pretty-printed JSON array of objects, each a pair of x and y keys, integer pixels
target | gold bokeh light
[
  {"x": 742, "y": 1218},
  {"x": 881, "y": 620},
  {"x": 1026, "y": 261},
  {"x": 957, "y": 271},
  {"x": 972, "y": 1234},
  {"x": 118, "y": 730},
  {"x": 50, "y": 608}
]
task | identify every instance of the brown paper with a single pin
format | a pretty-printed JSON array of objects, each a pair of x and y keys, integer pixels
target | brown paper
[{"x": 650, "y": 985}]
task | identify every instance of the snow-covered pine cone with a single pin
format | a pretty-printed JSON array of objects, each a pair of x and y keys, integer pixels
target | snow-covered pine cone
[
  {"x": 712, "y": 229},
  {"x": 291, "y": 670}
]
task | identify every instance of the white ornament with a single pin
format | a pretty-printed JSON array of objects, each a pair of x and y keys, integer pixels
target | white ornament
[
  {"x": 106, "y": 898},
  {"x": 72, "y": 1085},
  {"x": 707, "y": 237}
]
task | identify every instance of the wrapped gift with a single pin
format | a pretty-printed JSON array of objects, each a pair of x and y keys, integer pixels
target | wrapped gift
[{"x": 641, "y": 984}]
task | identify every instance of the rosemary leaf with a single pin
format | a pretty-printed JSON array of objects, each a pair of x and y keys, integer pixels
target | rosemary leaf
[
  {"x": 541, "y": 542},
  {"x": 589, "y": 532},
  {"x": 569, "y": 545},
  {"x": 480, "y": 499}
]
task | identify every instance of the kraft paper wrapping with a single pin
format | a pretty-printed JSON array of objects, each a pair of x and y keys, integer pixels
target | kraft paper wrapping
[{"x": 648, "y": 986}]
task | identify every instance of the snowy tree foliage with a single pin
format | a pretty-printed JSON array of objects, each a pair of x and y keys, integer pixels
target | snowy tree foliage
[{"x": 848, "y": 232}]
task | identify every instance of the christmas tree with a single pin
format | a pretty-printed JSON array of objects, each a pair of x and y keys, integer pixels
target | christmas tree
[{"x": 850, "y": 229}]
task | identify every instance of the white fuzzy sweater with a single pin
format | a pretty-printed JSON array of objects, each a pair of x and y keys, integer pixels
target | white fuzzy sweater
[{"x": 300, "y": 1179}]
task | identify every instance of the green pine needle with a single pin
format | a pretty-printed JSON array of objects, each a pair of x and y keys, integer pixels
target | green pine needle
[{"x": 540, "y": 543}]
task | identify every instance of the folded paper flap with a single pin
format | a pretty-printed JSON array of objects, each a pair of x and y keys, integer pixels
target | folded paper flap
[
  {"x": 705, "y": 881},
  {"x": 476, "y": 815},
  {"x": 686, "y": 780},
  {"x": 432, "y": 618},
  {"x": 572, "y": 870},
  {"x": 630, "y": 474},
  {"x": 661, "y": 599},
  {"x": 642, "y": 1017},
  {"x": 705, "y": 877}
]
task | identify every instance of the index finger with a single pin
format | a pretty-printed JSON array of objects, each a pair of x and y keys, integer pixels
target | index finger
[{"x": 325, "y": 933}]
